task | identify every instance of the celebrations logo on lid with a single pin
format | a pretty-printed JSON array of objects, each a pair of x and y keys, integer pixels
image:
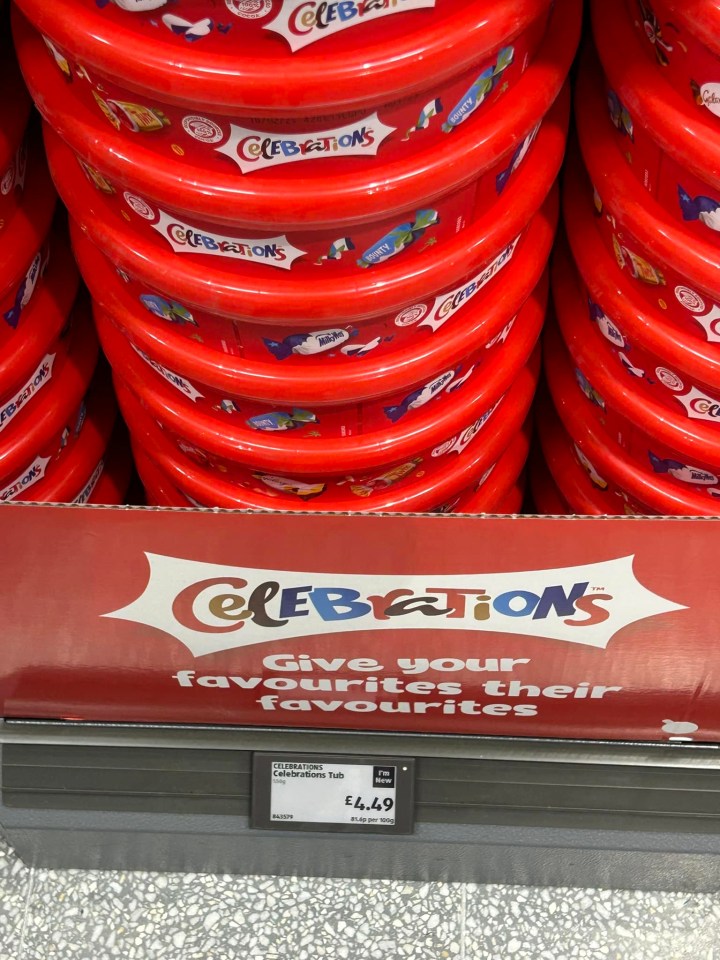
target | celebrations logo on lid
[
  {"x": 303, "y": 22},
  {"x": 256, "y": 150},
  {"x": 710, "y": 97}
]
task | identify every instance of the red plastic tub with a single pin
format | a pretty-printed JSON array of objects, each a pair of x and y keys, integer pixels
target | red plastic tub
[
  {"x": 34, "y": 352},
  {"x": 35, "y": 445},
  {"x": 623, "y": 399},
  {"x": 77, "y": 478},
  {"x": 682, "y": 38},
  {"x": 410, "y": 348},
  {"x": 246, "y": 438},
  {"x": 278, "y": 298},
  {"x": 502, "y": 493},
  {"x": 23, "y": 243},
  {"x": 339, "y": 212},
  {"x": 314, "y": 435},
  {"x": 672, "y": 149},
  {"x": 609, "y": 463},
  {"x": 295, "y": 59},
  {"x": 568, "y": 482},
  {"x": 673, "y": 268},
  {"x": 406, "y": 486},
  {"x": 643, "y": 492},
  {"x": 679, "y": 370},
  {"x": 501, "y": 488}
]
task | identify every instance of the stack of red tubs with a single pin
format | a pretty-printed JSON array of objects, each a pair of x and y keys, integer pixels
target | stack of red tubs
[
  {"x": 56, "y": 418},
  {"x": 634, "y": 369},
  {"x": 315, "y": 235}
]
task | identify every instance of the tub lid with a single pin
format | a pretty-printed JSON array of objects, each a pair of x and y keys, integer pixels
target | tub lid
[
  {"x": 249, "y": 290},
  {"x": 419, "y": 493},
  {"x": 317, "y": 382},
  {"x": 328, "y": 192},
  {"x": 43, "y": 319},
  {"x": 421, "y": 430},
  {"x": 683, "y": 133},
  {"x": 607, "y": 457},
  {"x": 228, "y": 61},
  {"x": 626, "y": 197}
]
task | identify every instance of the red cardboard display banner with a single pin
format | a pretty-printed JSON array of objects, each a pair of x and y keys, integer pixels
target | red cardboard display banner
[{"x": 591, "y": 628}]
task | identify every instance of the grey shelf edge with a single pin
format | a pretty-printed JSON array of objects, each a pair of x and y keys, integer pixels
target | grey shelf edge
[
  {"x": 673, "y": 852},
  {"x": 199, "y": 737}
]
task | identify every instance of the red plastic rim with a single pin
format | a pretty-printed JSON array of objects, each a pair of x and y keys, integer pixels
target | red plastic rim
[
  {"x": 210, "y": 489},
  {"x": 343, "y": 72},
  {"x": 490, "y": 493},
  {"x": 314, "y": 382},
  {"x": 605, "y": 455},
  {"x": 701, "y": 17},
  {"x": 622, "y": 392},
  {"x": 562, "y": 480},
  {"x": 234, "y": 441},
  {"x": 504, "y": 498},
  {"x": 688, "y": 136},
  {"x": 25, "y": 232},
  {"x": 78, "y": 472},
  {"x": 42, "y": 321},
  {"x": 34, "y": 426},
  {"x": 616, "y": 294},
  {"x": 289, "y": 297},
  {"x": 627, "y": 200},
  {"x": 297, "y": 194}
]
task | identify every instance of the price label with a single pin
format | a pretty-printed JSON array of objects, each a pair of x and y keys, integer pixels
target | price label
[{"x": 342, "y": 794}]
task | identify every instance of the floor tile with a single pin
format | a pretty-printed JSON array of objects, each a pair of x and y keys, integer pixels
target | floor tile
[
  {"x": 14, "y": 888},
  {"x": 97, "y": 916},
  {"x": 518, "y": 923}
]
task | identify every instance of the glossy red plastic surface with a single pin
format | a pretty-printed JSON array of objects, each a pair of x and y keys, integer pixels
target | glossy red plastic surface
[
  {"x": 498, "y": 488},
  {"x": 566, "y": 485},
  {"x": 404, "y": 490},
  {"x": 208, "y": 185},
  {"x": 682, "y": 39},
  {"x": 643, "y": 491},
  {"x": 249, "y": 71},
  {"x": 37, "y": 336},
  {"x": 252, "y": 291},
  {"x": 36, "y": 428},
  {"x": 327, "y": 441},
  {"x": 23, "y": 235},
  {"x": 475, "y": 315},
  {"x": 692, "y": 349},
  {"x": 688, "y": 136},
  {"x": 659, "y": 253},
  {"x": 78, "y": 478},
  {"x": 623, "y": 398}
]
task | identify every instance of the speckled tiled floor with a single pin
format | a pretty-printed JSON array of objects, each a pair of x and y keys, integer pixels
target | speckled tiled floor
[{"x": 58, "y": 915}]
